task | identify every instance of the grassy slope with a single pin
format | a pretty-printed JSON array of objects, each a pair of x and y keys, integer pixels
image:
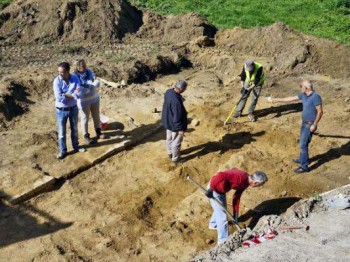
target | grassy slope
[{"x": 323, "y": 18}]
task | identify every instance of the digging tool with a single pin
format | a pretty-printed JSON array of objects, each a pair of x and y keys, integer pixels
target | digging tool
[
  {"x": 216, "y": 200},
  {"x": 113, "y": 84},
  {"x": 233, "y": 109},
  {"x": 306, "y": 227}
]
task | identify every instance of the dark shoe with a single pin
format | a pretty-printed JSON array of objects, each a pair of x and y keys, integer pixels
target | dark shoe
[
  {"x": 61, "y": 155},
  {"x": 296, "y": 161},
  {"x": 236, "y": 115},
  {"x": 170, "y": 156},
  {"x": 178, "y": 161},
  {"x": 252, "y": 117},
  {"x": 88, "y": 140},
  {"x": 99, "y": 134},
  {"x": 300, "y": 170}
]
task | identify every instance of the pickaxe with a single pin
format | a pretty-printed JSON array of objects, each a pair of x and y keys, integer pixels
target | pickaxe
[{"x": 216, "y": 200}]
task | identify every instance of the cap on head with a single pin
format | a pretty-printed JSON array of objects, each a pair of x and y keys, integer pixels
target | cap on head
[
  {"x": 259, "y": 177},
  {"x": 249, "y": 65},
  {"x": 181, "y": 85}
]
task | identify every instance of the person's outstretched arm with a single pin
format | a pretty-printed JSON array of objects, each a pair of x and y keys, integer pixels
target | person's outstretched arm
[{"x": 285, "y": 99}]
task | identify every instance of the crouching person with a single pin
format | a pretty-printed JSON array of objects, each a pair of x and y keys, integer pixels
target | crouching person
[{"x": 222, "y": 183}]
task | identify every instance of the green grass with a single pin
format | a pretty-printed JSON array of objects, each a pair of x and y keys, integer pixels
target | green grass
[
  {"x": 4, "y": 3},
  {"x": 322, "y": 18}
]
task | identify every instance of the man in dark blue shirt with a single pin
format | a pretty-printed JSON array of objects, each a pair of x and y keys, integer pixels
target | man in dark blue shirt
[
  {"x": 174, "y": 119},
  {"x": 312, "y": 113}
]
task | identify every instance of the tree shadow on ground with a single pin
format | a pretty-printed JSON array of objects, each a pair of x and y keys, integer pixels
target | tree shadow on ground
[
  {"x": 16, "y": 102},
  {"x": 280, "y": 110},
  {"x": 275, "y": 206},
  {"x": 331, "y": 154},
  {"x": 228, "y": 141},
  {"x": 21, "y": 222}
]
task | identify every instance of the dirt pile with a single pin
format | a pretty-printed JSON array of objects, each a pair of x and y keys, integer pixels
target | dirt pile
[
  {"x": 314, "y": 240},
  {"x": 288, "y": 50},
  {"x": 31, "y": 21},
  {"x": 175, "y": 29}
]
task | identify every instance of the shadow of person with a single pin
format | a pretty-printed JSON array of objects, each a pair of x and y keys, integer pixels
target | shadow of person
[
  {"x": 330, "y": 155},
  {"x": 227, "y": 142},
  {"x": 280, "y": 110},
  {"x": 275, "y": 206},
  {"x": 114, "y": 129},
  {"x": 137, "y": 135},
  {"x": 21, "y": 222}
]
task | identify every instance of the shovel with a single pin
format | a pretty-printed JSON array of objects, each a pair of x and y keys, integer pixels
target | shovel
[
  {"x": 216, "y": 200},
  {"x": 233, "y": 109}
]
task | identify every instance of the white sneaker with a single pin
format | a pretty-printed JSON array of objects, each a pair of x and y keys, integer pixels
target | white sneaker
[{"x": 212, "y": 227}]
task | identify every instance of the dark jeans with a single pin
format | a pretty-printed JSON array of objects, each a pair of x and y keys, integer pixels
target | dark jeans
[{"x": 304, "y": 140}]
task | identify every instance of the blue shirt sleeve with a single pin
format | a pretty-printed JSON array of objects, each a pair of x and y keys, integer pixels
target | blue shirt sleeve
[
  {"x": 91, "y": 75},
  {"x": 300, "y": 96},
  {"x": 77, "y": 85},
  {"x": 59, "y": 94},
  {"x": 317, "y": 100}
]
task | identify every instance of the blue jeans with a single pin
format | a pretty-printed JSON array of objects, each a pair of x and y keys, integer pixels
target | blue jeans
[
  {"x": 304, "y": 140},
  {"x": 62, "y": 117},
  {"x": 219, "y": 217}
]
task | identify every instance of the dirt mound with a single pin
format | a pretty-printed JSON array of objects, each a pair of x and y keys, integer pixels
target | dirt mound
[
  {"x": 289, "y": 49},
  {"x": 13, "y": 101},
  {"x": 175, "y": 29},
  {"x": 312, "y": 217},
  {"x": 31, "y": 21}
]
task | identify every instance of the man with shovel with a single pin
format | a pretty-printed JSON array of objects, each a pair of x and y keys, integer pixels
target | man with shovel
[
  {"x": 219, "y": 185},
  {"x": 252, "y": 80}
]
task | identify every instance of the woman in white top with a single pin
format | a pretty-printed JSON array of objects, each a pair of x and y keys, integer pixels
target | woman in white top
[{"x": 89, "y": 100}]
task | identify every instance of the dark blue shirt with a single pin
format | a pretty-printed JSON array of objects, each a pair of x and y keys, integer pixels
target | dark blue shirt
[
  {"x": 174, "y": 115},
  {"x": 309, "y": 106}
]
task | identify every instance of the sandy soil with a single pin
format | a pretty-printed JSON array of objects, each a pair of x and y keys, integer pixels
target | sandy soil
[{"x": 137, "y": 205}]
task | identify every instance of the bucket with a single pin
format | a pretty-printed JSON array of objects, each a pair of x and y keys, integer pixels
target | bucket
[{"x": 103, "y": 121}]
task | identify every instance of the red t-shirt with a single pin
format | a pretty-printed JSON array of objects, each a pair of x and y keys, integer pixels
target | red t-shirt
[{"x": 235, "y": 179}]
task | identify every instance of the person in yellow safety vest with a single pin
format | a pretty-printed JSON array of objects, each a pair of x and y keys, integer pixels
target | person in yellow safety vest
[{"x": 252, "y": 79}]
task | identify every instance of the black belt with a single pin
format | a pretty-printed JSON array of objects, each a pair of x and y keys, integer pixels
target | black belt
[
  {"x": 308, "y": 123},
  {"x": 66, "y": 108}
]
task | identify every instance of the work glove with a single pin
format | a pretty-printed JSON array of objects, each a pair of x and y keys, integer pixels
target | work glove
[
  {"x": 209, "y": 193},
  {"x": 244, "y": 91},
  {"x": 235, "y": 216}
]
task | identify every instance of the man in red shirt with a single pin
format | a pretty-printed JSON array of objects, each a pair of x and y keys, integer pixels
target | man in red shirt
[{"x": 219, "y": 185}]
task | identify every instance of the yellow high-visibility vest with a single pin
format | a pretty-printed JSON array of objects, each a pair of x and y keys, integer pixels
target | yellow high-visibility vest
[{"x": 250, "y": 78}]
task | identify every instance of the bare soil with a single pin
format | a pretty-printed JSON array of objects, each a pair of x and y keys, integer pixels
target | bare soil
[{"x": 137, "y": 205}]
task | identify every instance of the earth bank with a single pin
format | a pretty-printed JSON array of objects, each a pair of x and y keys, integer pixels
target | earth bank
[{"x": 136, "y": 205}]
